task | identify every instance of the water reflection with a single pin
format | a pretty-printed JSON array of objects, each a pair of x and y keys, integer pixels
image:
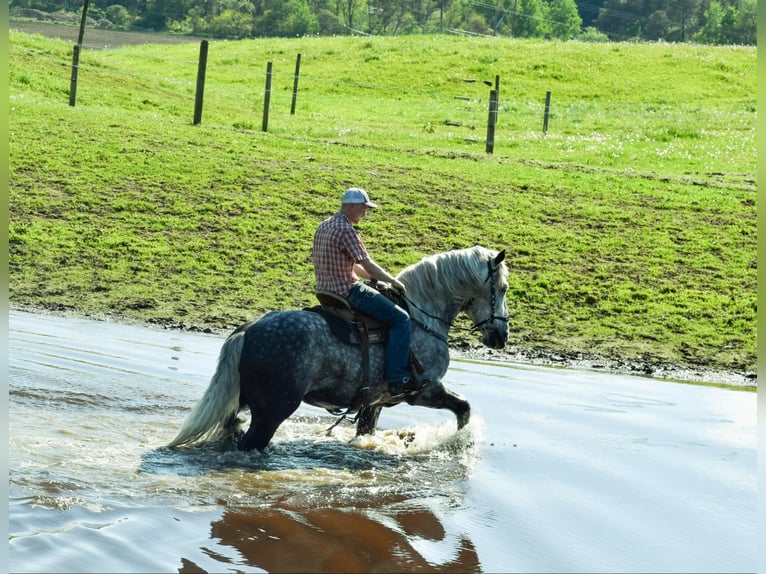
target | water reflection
[
  {"x": 333, "y": 504},
  {"x": 342, "y": 540}
]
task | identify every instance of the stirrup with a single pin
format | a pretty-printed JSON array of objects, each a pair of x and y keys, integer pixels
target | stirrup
[{"x": 417, "y": 384}]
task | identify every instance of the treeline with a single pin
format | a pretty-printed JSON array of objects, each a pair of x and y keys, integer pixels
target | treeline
[{"x": 703, "y": 21}]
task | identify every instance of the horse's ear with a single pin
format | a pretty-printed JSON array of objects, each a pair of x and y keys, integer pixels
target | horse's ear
[{"x": 500, "y": 257}]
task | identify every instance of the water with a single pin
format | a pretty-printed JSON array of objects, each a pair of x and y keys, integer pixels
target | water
[{"x": 559, "y": 470}]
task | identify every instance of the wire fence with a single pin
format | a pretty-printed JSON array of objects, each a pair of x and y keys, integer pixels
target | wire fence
[{"x": 448, "y": 114}]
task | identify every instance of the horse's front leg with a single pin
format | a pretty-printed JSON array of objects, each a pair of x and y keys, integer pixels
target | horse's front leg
[
  {"x": 366, "y": 420},
  {"x": 438, "y": 397}
]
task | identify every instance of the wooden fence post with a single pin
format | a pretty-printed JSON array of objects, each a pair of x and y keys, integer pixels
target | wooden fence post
[
  {"x": 201, "y": 70},
  {"x": 267, "y": 99},
  {"x": 76, "y": 56},
  {"x": 295, "y": 84},
  {"x": 81, "y": 34},
  {"x": 491, "y": 121},
  {"x": 73, "y": 80},
  {"x": 547, "y": 111}
]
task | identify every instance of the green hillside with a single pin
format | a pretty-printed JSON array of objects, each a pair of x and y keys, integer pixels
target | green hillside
[{"x": 630, "y": 225}]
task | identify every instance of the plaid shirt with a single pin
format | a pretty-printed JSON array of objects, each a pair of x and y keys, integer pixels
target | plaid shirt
[{"x": 337, "y": 246}]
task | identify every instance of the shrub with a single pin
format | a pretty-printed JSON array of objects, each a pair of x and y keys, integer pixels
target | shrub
[{"x": 591, "y": 34}]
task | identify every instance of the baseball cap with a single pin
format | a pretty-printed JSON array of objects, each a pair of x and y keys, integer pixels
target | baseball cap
[{"x": 357, "y": 195}]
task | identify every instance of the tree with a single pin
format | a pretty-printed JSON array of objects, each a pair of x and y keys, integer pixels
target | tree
[
  {"x": 160, "y": 13},
  {"x": 588, "y": 10},
  {"x": 530, "y": 19},
  {"x": 286, "y": 18},
  {"x": 443, "y": 6},
  {"x": 565, "y": 21},
  {"x": 392, "y": 16},
  {"x": 728, "y": 22},
  {"x": 422, "y": 10},
  {"x": 347, "y": 9},
  {"x": 621, "y": 19},
  {"x": 230, "y": 24},
  {"x": 683, "y": 13},
  {"x": 746, "y": 23},
  {"x": 496, "y": 14},
  {"x": 119, "y": 16},
  {"x": 462, "y": 16},
  {"x": 658, "y": 26},
  {"x": 711, "y": 30}
]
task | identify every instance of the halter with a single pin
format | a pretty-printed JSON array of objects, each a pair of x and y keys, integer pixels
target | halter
[{"x": 492, "y": 299}]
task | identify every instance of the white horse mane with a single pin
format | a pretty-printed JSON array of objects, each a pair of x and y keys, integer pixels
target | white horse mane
[{"x": 455, "y": 272}]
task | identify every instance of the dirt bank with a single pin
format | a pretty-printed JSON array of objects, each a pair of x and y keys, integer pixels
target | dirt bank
[{"x": 644, "y": 368}]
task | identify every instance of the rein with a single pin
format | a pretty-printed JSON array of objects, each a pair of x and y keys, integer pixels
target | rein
[
  {"x": 425, "y": 327},
  {"x": 477, "y": 326}
]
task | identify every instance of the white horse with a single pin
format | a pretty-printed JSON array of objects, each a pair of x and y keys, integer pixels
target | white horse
[{"x": 285, "y": 357}]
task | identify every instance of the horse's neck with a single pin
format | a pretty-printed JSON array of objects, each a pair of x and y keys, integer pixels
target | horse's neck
[
  {"x": 437, "y": 313},
  {"x": 434, "y": 294}
]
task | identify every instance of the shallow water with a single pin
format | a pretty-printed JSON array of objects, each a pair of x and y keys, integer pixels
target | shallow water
[{"x": 559, "y": 470}]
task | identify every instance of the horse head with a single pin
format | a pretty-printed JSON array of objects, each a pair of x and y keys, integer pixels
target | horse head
[{"x": 487, "y": 306}]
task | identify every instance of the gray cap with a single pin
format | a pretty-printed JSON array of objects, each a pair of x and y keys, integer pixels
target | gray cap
[{"x": 357, "y": 195}]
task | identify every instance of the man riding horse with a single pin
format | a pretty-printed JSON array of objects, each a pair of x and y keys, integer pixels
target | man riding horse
[
  {"x": 340, "y": 259},
  {"x": 274, "y": 363}
]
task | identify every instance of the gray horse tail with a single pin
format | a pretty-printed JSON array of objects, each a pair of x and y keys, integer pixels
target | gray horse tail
[{"x": 220, "y": 403}]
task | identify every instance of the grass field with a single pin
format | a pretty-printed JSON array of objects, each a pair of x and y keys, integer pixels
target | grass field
[{"x": 630, "y": 225}]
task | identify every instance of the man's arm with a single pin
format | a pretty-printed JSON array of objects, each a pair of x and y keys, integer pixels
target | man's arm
[
  {"x": 361, "y": 271},
  {"x": 371, "y": 270}
]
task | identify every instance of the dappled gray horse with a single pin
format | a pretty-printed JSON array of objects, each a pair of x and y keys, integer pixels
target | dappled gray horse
[{"x": 285, "y": 357}]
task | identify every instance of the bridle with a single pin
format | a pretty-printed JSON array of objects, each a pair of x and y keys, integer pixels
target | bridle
[{"x": 477, "y": 326}]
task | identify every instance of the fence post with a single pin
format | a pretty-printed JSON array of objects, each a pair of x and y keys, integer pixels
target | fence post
[
  {"x": 201, "y": 70},
  {"x": 295, "y": 84},
  {"x": 491, "y": 121},
  {"x": 547, "y": 111},
  {"x": 267, "y": 99},
  {"x": 73, "y": 81},
  {"x": 76, "y": 56},
  {"x": 81, "y": 34}
]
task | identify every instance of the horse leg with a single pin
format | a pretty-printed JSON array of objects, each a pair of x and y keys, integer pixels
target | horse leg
[
  {"x": 366, "y": 420},
  {"x": 260, "y": 433},
  {"x": 440, "y": 398},
  {"x": 267, "y": 412}
]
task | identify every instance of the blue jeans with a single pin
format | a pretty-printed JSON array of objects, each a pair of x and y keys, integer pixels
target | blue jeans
[{"x": 370, "y": 302}]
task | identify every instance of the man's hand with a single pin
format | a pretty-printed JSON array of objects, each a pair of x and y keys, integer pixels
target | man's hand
[
  {"x": 398, "y": 285},
  {"x": 375, "y": 271}
]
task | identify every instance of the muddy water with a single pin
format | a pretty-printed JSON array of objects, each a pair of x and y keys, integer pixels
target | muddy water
[{"x": 559, "y": 470}]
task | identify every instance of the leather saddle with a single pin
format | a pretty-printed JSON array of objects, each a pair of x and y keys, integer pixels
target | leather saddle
[{"x": 350, "y": 326}]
